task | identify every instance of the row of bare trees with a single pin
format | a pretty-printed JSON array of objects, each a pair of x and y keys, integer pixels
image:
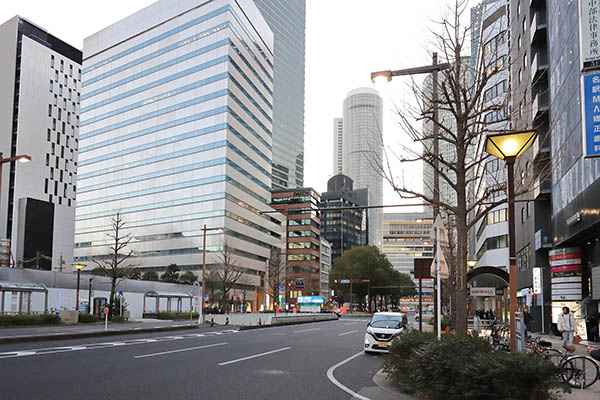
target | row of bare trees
[{"x": 223, "y": 279}]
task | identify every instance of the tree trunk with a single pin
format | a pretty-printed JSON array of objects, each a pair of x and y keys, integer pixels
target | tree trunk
[{"x": 113, "y": 289}]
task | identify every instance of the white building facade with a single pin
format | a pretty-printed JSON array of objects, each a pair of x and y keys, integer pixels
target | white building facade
[
  {"x": 363, "y": 149},
  {"x": 338, "y": 145},
  {"x": 39, "y": 117},
  {"x": 177, "y": 134},
  {"x": 406, "y": 236},
  {"x": 490, "y": 235}
]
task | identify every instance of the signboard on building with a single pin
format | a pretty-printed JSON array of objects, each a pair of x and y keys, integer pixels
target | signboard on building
[
  {"x": 537, "y": 280},
  {"x": 566, "y": 274},
  {"x": 596, "y": 283},
  {"x": 591, "y": 115},
  {"x": 311, "y": 299},
  {"x": 483, "y": 291},
  {"x": 589, "y": 30}
]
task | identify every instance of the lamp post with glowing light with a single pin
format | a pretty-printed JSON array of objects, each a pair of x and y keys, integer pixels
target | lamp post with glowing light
[
  {"x": 508, "y": 146},
  {"x": 22, "y": 158},
  {"x": 78, "y": 267}
]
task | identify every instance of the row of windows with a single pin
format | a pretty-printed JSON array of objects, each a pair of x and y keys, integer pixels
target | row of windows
[
  {"x": 184, "y": 168},
  {"x": 156, "y": 98},
  {"x": 302, "y": 257},
  {"x": 60, "y": 91},
  {"x": 156, "y": 83},
  {"x": 491, "y": 47},
  {"x": 157, "y": 53},
  {"x": 498, "y": 89},
  {"x": 153, "y": 129},
  {"x": 303, "y": 234},
  {"x": 153, "y": 114},
  {"x": 496, "y": 116},
  {"x": 156, "y": 68},
  {"x": 497, "y": 216},
  {"x": 523, "y": 259},
  {"x": 492, "y": 243},
  {"x": 62, "y": 67},
  {"x": 157, "y": 38}
]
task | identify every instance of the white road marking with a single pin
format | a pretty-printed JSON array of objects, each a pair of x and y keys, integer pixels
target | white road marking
[
  {"x": 180, "y": 350},
  {"x": 347, "y": 333},
  {"x": 254, "y": 356},
  {"x": 351, "y": 323},
  {"x": 338, "y": 384},
  {"x": 307, "y": 330}
]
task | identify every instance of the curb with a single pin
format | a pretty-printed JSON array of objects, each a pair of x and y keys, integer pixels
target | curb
[
  {"x": 62, "y": 336},
  {"x": 382, "y": 381},
  {"x": 252, "y": 327}
]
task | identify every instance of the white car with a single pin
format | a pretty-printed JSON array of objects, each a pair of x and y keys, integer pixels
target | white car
[{"x": 382, "y": 329}]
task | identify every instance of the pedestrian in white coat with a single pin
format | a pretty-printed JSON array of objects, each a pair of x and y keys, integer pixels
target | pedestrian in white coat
[{"x": 566, "y": 326}]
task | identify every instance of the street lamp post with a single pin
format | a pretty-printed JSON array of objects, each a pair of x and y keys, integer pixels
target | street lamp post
[
  {"x": 78, "y": 267},
  {"x": 508, "y": 146},
  {"x": 23, "y": 158},
  {"x": 205, "y": 229}
]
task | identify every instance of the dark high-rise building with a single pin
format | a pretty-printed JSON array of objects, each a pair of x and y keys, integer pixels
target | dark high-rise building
[
  {"x": 287, "y": 20},
  {"x": 344, "y": 228},
  {"x": 303, "y": 241}
]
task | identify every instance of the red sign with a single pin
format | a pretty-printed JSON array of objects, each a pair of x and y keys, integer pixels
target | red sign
[
  {"x": 566, "y": 268},
  {"x": 105, "y": 310}
]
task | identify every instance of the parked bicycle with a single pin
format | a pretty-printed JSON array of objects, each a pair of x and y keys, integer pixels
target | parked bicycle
[
  {"x": 499, "y": 337},
  {"x": 579, "y": 371}
]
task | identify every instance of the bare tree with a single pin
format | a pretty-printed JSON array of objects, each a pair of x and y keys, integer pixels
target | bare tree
[
  {"x": 466, "y": 116},
  {"x": 228, "y": 273},
  {"x": 114, "y": 266},
  {"x": 275, "y": 275}
]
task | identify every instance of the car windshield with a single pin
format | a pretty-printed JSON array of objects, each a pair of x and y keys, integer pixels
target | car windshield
[{"x": 390, "y": 322}]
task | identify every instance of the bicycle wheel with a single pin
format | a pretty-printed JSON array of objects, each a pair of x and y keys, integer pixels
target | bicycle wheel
[
  {"x": 580, "y": 371},
  {"x": 554, "y": 356}
]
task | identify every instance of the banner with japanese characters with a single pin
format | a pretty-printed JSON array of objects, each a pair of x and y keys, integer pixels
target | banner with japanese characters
[
  {"x": 591, "y": 115},
  {"x": 589, "y": 31}
]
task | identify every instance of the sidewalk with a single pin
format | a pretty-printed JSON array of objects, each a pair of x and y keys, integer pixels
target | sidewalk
[
  {"x": 58, "y": 332},
  {"x": 591, "y": 393}
]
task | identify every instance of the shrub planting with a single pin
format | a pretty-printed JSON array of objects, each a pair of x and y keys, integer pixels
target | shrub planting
[
  {"x": 87, "y": 318},
  {"x": 467, "y": 368},
  {"x": 29, "y": 319},
  {"x": 176, "y": 316}
]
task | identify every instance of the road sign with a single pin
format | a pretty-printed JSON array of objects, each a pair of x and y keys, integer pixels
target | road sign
[
  {"x": 443, "y": 232},
  {"x": 444, "y": 274},
  {"x": 105, "y": 310},
  {"x": 206, "y": 297},
  {"x": 121, "y": 292},
  {"x": 344, "y": 280},
  {"x": 280, "y": 288}
]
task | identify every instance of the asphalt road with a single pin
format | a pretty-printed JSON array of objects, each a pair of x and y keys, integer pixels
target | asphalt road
[{"x": 288, "y": 362}]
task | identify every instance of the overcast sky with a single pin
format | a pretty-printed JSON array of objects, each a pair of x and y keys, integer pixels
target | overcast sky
[{"x": 345, "y": 41}]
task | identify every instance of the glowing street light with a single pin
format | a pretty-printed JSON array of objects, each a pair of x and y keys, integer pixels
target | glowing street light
[
  {"x": 508, "y": 146},
  {"x": 78, "y": 267}
]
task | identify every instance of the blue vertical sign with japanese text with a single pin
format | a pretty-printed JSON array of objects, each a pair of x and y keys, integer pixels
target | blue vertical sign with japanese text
[{"x": 591, "y": 110}]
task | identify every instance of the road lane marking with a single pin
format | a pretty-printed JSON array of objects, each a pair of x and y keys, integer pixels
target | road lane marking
[
  {"x": 338, "y": 384},
  {"x": 180, "y": 350},
  {"x": 347, "y": 333},
  {"x": 350, "y": 323},
  {"x": 254, "y": 356},
  {"x": 307, "y": 330}
]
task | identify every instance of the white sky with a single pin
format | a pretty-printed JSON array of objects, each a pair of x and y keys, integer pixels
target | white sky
[{"x": 346, "y": 40}]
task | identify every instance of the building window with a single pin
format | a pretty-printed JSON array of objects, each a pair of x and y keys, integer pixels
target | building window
[
  {"x": 46, "y": 186},
  {"x": 62, "y": 66},
  {"x": 70, "y": 70},
  {"x": 51, "y": 86},
  {"x": 49, "y": 110},
  {"x": 528, "y": 209},
  {"x": 51, "y": 61},
  {"x": 47, "y": 159},
  {"x": 522, "y": 215}
]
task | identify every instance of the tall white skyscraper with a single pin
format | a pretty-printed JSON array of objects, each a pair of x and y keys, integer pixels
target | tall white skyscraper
[
  {"x": 363, "y": 149},
  {"x": 176, "y": 133},
  {"x": 338, "y": 145},
  {"x": 39, "y": 117}
]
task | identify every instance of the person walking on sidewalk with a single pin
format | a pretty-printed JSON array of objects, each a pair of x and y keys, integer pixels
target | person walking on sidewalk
[{"x": 566, "y": 326}]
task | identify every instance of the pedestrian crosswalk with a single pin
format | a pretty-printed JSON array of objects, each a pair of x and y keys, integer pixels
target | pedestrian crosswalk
[{"x": 106, "y": 345}]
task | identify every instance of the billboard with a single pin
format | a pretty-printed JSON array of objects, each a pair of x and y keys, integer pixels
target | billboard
[
  {"x": 311, "y": 299},
  {"x": 589, "y": 39},
  {"x": 591, "y": 114},
  {"x": 566, "y": 274}
]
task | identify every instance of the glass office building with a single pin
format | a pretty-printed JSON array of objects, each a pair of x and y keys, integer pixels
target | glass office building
[
  {"x": 287, "y": 20},
  {"x": 176, "y": 121}
]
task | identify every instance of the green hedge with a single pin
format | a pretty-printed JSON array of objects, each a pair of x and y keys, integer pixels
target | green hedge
[
  {"x": 29, "y": 319},
  {"x": 174, "y": 316},
  {"x": 117, "y": 318},
  {"x": 87, "y": 318},
  {"x": 456, "y": 368}
]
